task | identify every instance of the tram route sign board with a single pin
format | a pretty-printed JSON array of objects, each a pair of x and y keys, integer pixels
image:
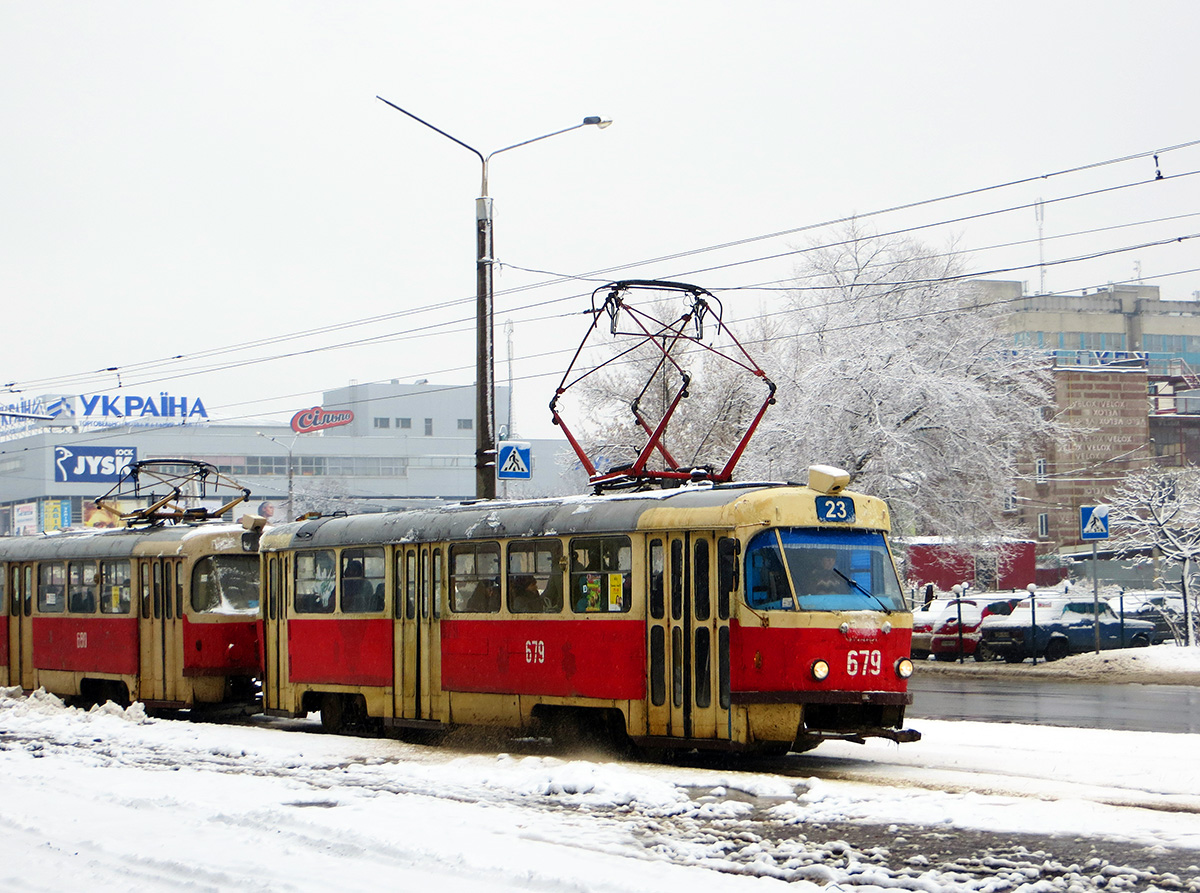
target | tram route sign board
[{"x": 514, "y": 461}]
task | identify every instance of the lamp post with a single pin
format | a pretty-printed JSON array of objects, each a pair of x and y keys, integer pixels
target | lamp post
[
  {"x": 485, "y": 372},
  {"x": 288, "y": 515}
]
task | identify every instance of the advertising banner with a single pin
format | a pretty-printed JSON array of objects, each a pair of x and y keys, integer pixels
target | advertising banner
[
  {"x": 56, "y": 514},
  {"x": 25, "y": 518},
  {"x": 91, "y": 465}
]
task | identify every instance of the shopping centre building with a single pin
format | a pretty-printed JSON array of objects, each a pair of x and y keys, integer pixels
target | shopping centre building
[{"x": 365, "y": 447}]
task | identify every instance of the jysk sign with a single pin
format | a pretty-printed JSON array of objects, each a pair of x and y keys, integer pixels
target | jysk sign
[{"x": 91, "y": 465}]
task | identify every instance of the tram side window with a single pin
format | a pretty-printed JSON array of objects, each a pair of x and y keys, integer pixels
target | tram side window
[
  {"x": 114, "y": 587},
  {"x": 657, "y": 602},
  {"x": 362, "y": 573},
  {"x": 225, "y": 584},
  {"x": 601, "y": 574},
  {"x": 52, "y": 587},
  {"x": 314, "y": 582},
  {"x": 475, "y": 578},
  {"x": 727, "y": 573},
  {"x": 768, "y": 585},
  {"x": 535, "y": 577},
  {"x": 81, "y": 587}
]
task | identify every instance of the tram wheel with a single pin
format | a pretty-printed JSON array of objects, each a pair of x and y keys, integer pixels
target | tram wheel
[{"x": 333, "y": 713}]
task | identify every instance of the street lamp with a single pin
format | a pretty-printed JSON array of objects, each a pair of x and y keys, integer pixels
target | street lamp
[
  {"x": 288, "y": 515},
  {"x": 485, "y": 373}
]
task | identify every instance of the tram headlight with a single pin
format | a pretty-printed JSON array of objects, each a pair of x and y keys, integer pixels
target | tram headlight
[
  {"x": 904, "y": 668},
  {"x": 819, "y": 670}
]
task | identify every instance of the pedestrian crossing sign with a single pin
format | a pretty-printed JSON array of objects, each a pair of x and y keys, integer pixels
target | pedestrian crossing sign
[
  {"x": 1093, "y": 522},
  {"x": 514, "y": 461}
]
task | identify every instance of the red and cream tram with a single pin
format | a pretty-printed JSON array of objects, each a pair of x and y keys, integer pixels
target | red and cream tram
[
  {"x": 759, "y": 617},
  {"x": 165, "y": 615}
]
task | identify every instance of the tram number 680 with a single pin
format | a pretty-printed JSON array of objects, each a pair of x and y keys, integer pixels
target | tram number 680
[
  {"x": 864, "y": 662},
  {"x": 535, "y": 651}
]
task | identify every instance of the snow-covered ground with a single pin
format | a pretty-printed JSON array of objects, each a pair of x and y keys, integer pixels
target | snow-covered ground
[{"x": 110, "y": 800}]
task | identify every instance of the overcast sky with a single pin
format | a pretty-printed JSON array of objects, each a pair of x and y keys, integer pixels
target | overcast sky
[{"x": 176, "y": 179}]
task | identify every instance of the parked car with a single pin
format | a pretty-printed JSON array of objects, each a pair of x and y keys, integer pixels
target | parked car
[
  {"x": 924, "y": 619},
  {"x": 1162, "y": 607},
  {"x": 1055, "y": 626},
  {"x": 935, "y": 629}
]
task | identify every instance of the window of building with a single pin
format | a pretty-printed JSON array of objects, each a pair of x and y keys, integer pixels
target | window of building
[
  {"x": 403, "y": 423},
  {"x": 429, "y": 427},
  {"x": 383, "y": 423},
  {"x": 466, "y": 424},
  {"x": 1041, "y": 471},
  {"x": 1043, "y": 526}
]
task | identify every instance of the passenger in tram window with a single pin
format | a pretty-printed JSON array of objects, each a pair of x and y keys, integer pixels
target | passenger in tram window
[
  {"x": 523, "y": 595},
  {"x": 352, "y": 587},
  {"x": 552, "y": 596},
  {"x": 485, "y": 599}
]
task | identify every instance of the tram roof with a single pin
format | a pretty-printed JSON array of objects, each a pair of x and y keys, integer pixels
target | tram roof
[
  {"x": 120, "y": 542},
  {"x": 693, "y": 506}
]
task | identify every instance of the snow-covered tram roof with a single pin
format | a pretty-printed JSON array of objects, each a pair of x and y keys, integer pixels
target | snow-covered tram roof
[
  {"x": 121, "y": 542},
  {"x": 699, "y": 507}
]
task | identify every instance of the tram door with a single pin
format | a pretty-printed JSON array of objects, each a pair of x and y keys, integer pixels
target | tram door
[
  {"x": 160, "y": 629},
  {"x": 418, "y": 575},
  {"x": 689, "y": 636},
  {"x": 20, "y": 626},
  {"x": 274, "y": 620}
]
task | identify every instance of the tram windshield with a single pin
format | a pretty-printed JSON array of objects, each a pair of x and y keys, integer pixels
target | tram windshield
[
  {"x": 225, "y": 584},
  {"x": 798, "y": 569}
]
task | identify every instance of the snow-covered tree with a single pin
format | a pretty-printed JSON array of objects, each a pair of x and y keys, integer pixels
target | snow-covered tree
[
  {"x": 887, "y": 365},
  {"x": 1157, "y": 510},
  {"x": 899, "y": 372}
]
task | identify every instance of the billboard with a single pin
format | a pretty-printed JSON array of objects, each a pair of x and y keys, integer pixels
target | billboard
[{"x": 91, "y": 465}]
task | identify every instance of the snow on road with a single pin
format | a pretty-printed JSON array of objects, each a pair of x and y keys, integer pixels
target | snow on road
[{"x": 109, "y": 800}]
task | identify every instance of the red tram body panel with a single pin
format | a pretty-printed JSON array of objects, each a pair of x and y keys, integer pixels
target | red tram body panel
[
  {"x": 89, "y": 644},
  {"x": 223, "y": 648},
  {"x": 340, "y": 651},
  {"x": 563, "y": 659}
]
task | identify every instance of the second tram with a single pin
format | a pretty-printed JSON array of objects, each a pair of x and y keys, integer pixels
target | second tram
[{"x": 166, "y": 615}]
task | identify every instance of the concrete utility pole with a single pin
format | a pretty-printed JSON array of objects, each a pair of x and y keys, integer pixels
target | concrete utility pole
[{"x": 485, "y": 366}]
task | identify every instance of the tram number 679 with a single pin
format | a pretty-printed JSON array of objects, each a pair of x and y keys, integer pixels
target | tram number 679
[
  {"x": 535, "y": 651},
  {"x": 863, "y": 662}
]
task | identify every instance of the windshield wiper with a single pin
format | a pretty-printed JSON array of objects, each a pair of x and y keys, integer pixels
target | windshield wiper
[{"x": 866, "y": 592}]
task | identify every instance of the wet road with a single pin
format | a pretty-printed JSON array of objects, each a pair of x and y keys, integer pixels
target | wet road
[{"x": 1130, "y": 707}]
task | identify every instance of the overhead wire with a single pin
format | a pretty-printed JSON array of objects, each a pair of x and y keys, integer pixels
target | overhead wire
[{"x": 150, "y": 367}]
